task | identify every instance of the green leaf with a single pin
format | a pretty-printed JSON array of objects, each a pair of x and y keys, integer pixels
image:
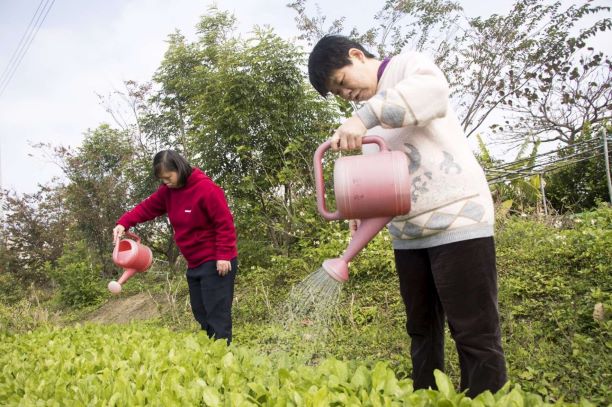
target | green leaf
[
  {"x": 361, "y": 378},
  {"x": 444, "y": 384},
  {"x": 210, "y": 396}
]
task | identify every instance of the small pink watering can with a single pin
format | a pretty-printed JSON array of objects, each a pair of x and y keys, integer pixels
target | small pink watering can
[
  {"x": 133, "y": 257},
  {"x": 373, "y": 188}
]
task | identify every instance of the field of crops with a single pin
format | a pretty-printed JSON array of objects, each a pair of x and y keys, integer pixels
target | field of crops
[{"x": 140, "y": 364}]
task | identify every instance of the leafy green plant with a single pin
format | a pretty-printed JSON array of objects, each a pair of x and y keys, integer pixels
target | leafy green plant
[
  {"x": 11, "y": 290},
  {"x": 550, "y": 279},
  {"x": 22, "y": 316},
  {"x": 551, "y": 274},
  {"x": 77, "y": 276},
  {"x": 579, "y": 186},
  {"x": 140, "y": 364}
]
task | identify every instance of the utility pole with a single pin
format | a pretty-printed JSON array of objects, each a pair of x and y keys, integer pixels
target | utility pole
[
  {"x": 3, "y": 237},
  {"x": 1, "y": 193},
  {"x": 607, "y": 161},
  {"x": 542, "y": 183}
]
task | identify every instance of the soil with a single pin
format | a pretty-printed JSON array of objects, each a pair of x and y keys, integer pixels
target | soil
[{"x": 124, "y": 309}]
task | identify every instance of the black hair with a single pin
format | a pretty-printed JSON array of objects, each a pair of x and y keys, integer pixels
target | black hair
[
  {"x": 170, "y": 160},
  {"x": 328, "y": 55}
]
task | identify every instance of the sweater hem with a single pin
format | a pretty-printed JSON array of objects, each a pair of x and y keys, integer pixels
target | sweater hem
[{"x": 452, "y": 236}]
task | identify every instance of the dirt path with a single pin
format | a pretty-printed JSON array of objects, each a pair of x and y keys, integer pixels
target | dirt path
[{"x": 125, "y": 309}]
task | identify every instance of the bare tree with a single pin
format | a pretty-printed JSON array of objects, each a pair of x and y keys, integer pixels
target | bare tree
[{"x": 528, "y": 64}]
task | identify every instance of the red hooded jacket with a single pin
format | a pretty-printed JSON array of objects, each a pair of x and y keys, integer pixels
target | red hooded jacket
[{"x": 202, "y": 222}]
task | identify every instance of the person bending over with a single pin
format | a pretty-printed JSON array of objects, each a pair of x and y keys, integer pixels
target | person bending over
[{"x": 444, "y": 248}]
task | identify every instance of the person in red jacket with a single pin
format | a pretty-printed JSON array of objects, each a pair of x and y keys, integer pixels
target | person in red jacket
[{"x": 204, "y": 232}]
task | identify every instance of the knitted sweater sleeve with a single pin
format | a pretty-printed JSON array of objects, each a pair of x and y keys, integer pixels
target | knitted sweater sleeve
[
  {"x": 150, "y": 208},
  {"x": 418, "y": 97}
]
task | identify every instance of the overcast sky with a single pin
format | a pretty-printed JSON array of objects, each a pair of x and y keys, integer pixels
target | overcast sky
[{"x": 86, "y": 48}]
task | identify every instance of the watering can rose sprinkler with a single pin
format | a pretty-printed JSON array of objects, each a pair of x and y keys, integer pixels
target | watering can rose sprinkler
[
  {"x": 133, "y": 257},
  {"x": 373, "y": 188}
]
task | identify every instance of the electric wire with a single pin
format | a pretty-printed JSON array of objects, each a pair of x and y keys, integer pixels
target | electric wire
[
  {"x": 541, "y": 173},
  {"x": 25, "y": 43},
  {"x": 510, "y": 176},
  {"x": 520, "y": 160},
  {"x": 548, "y": 163},
  {"x": 502, "y": 172},
  {"x": 17, "y": 50},
  {"x": 537, "y": 170}
]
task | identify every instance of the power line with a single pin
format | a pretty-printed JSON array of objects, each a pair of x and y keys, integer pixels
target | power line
[
  {"x": 536, "y": 170},
  {"x": 17, "y": 50},
  {"x": 531, "y": 165},
  {"x": 564, "y": 162},
  {"x": 568, "y": 147},
  {"x": 547, "y": 163},
  {"x": 24, "y": 44}
]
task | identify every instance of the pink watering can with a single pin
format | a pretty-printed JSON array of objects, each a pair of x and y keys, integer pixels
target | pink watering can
[
  {"x": 133, "y": 257},
  {"x": 373, "y": 188}
]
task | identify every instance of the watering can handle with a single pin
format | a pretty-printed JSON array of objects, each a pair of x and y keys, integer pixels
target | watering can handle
[
  {"x": 133, "y": 236},
  {"x": 318, "y": 173}
]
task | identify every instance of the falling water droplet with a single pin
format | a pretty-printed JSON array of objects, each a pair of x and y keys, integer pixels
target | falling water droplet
[{"x": 312, "y": 304}]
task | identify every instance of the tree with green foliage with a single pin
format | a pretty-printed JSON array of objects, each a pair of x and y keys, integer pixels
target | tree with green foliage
[
  {"x": 249, "y": 120},
  {"x": 96, "y": 187},
  {"x": 34, "y": 231},
  {"x": 510, "y": 184}
]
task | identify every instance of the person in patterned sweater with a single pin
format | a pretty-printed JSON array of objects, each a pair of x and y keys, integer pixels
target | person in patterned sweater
[
  {"x": 204, "y": 232},
  {"x": 444, "y": 247}
]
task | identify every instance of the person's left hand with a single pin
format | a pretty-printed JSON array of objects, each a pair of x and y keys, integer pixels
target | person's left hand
[
  {"x": 348, "y": 135},
  {"x": 118, "y": 231},
  {"x": 223, "y": 267}
]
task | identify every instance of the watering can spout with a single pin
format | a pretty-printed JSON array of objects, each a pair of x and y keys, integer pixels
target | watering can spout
[
  {"x": 127, "y": 274},
  {"x": 338, "y": 268}
]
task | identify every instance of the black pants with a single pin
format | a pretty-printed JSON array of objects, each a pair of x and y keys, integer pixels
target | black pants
[
  {"x": 459, "y": 281},
  {"x": 211, "y": 298}
]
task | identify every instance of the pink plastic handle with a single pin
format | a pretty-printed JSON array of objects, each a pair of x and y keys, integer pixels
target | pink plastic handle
[
  {"x": 127, "y": 234},
  {"x": 318, "y": 173},
  {"x": 133, "y": 236}
]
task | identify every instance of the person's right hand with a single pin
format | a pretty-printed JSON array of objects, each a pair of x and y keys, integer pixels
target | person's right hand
[
  {"x": 117, "y": 233},
  {"x": 348, "y": 136}
]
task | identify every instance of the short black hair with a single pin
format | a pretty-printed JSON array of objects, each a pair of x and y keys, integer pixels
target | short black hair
[
  {"x": 328, "y": 55},
  {"x": 170, "y": 160}
]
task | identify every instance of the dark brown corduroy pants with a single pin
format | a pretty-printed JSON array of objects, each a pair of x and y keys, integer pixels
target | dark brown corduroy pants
[{"x": 457, "y": 281}]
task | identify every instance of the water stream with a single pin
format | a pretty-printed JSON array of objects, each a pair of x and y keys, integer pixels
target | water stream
[{"x": 309, "y": 313}]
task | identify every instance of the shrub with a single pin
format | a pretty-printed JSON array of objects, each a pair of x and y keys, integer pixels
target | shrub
[
  {"x": 22, "y": 316},
  {"x": 10, "y": 289},
  {"x": 550, "y": 279},
  {"x": 77, "y": 276}
]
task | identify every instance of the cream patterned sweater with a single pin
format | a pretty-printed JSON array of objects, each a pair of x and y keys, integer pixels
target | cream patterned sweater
[{"x": 450, "y": 197}]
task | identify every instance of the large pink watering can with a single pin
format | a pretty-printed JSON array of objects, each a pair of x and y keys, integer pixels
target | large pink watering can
[
  {"x": 373, "y": 188},
  {"x": 133, "y": 257}
]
